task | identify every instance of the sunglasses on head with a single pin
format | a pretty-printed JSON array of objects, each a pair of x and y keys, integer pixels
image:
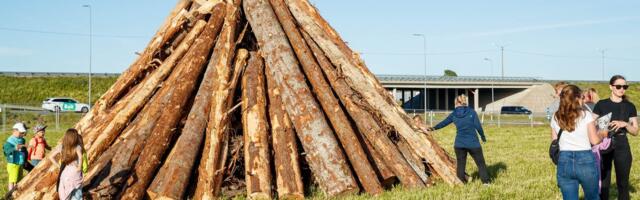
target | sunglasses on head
[{"x": 621, "y": 86}]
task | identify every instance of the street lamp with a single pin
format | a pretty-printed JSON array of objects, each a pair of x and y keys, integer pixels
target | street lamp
[
  {"x": 424, "y": 53},
  {"x": 492, "y": 94},
  {"x": 90, "y": 48}
]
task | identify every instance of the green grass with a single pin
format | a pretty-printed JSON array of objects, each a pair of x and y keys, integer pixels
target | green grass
[
  {"x": 516, "y": 157},
  {"x": 32, "y": 91},
  {"x": 52, "y": 135}
]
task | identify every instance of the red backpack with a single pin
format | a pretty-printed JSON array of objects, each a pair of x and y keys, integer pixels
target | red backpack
[{"x": 33, "y": 149}]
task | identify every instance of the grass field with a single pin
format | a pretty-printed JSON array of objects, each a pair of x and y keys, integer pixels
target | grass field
[
  {"x": 31, "y": 91},
  {"x": 516, "y": 157}
]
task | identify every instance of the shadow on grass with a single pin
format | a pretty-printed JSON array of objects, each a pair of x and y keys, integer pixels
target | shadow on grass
[{"x": 493, "y": 170}]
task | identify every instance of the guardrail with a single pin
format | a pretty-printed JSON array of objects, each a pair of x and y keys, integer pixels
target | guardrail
[
  {"x": 7, "y": 108},
  {"x": 433, "y": 117}
]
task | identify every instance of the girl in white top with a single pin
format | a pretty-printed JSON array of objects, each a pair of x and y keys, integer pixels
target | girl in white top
[
  {"x": 576, "y": 163},
  {"x": 578, "y": 139}
]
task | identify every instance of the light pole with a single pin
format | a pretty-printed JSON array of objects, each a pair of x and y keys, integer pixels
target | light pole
[
  {"x": 90, "y": 48},
  {"x": 502, "y": 59},
  {"x": 424, "y": 53},
  {"x": 602, "y": 52},
  {"x": 492, "y": 94}
]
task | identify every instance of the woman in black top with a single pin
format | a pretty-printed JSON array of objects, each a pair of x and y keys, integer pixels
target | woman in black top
[{"x": 623, "y": 121}]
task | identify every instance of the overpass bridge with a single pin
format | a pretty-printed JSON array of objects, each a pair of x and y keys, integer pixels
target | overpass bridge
[{"x": 485, "y": 93}]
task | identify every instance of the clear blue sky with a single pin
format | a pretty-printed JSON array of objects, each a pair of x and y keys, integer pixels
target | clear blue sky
[{"x": 547, "y": 39}]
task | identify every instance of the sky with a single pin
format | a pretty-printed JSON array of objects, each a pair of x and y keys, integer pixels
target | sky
[{"x": 558, "y": 40}]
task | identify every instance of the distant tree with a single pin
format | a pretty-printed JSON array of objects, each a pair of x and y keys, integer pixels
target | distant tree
[{"x": 450, "y": 73}]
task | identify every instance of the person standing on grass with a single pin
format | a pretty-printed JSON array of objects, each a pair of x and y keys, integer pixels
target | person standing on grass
[
  {"x": 591, "y": 98},
  {"x": 556, "y": 99},
  {"x": 466, "y": 142},
  {"x": 71, "y": 164},
  {"x": 623, "y": 120},
  {"x": 576, "y": 162},
  {"x": 37, "y": 145},
  {"x": 16, "y": 154}
]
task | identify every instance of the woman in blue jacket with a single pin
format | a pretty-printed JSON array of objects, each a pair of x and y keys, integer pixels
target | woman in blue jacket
[{"x": 468, "y": 125}]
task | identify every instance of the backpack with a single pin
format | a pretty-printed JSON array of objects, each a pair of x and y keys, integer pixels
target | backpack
[{"x": 32, "y": 150}]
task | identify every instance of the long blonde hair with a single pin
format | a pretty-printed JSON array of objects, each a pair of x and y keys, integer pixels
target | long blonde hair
[
  {"x": 570, "y": 108},
  {"x": 70, "y": 141}
]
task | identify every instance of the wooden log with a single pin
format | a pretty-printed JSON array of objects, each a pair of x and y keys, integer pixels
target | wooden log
[
  {"x": 414, "y": 160},
  {"x": 285, "y": 149},
  {"x": 257, "y": 162},
  {"x": 117, "y": 121},
  {"x": 331, "y": 106},
  {"x": 216, "y": 139},
  {"x": 369, "y": 89},
  {"x": 128, "y": 110},
  {"x": 385, "y": 174},
  {"x": 140, "y": 66},
  {"x": 162, "y": 134},
  {"x": 26, "y": 186},
  {"x": 152, "y": 120},
  {"x": 173, "y": 178},
  {"x": 324, "y": 155},
  {"x": 365, "y": 123},
  {"x": 333, "y": 35}
]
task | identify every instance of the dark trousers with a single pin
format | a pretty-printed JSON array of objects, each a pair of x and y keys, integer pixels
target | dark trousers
[
  {"x": 621, "y": 158},
  {"x": 476, "y": 154}
]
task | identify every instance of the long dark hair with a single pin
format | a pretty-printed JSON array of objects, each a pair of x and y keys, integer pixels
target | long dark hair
[
  {"x": 613, "y": 80},
  {"x": 570, "y": 108}
]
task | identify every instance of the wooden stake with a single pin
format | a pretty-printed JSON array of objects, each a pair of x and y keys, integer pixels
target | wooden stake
[
  {"x": 216, "y": 139},
  {"x": 173, "y": 178},
  {"x": 330, "y": 104},
  {"x": 285, "y": 148},
  {"x": 365, "y": 123},
  {"x": 162, "y": 134},
  {"x": 257, "y": 163},
  {"x": 392, "y": 114}
]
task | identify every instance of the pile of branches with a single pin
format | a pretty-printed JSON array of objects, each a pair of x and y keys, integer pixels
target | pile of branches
[{"x": 255, "y": 96}]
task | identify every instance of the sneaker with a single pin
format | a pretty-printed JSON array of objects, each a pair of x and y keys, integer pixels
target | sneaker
[{"x": 486, "y": 184}]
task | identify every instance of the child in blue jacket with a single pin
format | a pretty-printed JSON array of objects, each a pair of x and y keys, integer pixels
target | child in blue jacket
[
  {"x": 466, "y": 142},
  {"x": 15, "y": 152}
]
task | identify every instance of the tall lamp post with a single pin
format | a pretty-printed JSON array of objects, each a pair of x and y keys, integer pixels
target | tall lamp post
[
  {"x": 492, "y": 94},
  {"x": 424, "y": 53},
  {"x": 90, "y": 48}
]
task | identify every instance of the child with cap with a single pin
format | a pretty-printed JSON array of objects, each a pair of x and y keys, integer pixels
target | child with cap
[
  {"x": 37, "y": 145},
  {"x": 16, "y": 154}
]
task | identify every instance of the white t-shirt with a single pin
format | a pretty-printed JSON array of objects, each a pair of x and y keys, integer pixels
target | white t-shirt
[{"x": 578, "y": 140}]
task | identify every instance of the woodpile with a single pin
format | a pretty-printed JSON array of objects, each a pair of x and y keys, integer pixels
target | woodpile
[{"x": 260, "y": 97}]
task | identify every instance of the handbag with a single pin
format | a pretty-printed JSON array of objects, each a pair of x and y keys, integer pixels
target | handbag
[{"x": 554, "y": 149}]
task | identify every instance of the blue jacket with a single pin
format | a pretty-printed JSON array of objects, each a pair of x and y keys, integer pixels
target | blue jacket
[
  {"x": 468, "y": 125},
  {"x": 14, "y": 156}
]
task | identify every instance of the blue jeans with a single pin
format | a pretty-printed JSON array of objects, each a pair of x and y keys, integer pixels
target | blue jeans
[{"x": 577, "y": 168}]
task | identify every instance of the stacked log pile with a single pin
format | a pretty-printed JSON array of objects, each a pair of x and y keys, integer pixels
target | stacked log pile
[{"x": 246, "y": 95}]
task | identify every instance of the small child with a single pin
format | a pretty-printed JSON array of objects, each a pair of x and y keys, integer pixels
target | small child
[
  {"x": 38, "y": 145},
  {"x": 72, "y": 165},
  {"x": 16, "y": 154}
]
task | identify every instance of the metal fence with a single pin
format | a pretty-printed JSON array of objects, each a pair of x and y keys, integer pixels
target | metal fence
[
  {"x": 433, "y": 117},
  {"x": 34, "y": 115}
]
